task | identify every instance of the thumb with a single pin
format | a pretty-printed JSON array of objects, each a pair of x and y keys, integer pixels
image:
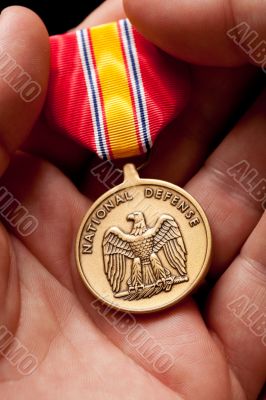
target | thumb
[
  {"x": 24, "y": 68},
  {"x": 197, "y": 31}
]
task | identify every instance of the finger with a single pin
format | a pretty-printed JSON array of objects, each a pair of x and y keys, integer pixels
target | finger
[
  {"x": 232, "y": 203},
  {"x": 109, "y": 11},
  {"x": 24, "y": 66},
  {"x": 237, "y": 313},
  {"x": 196, "y": 31}
]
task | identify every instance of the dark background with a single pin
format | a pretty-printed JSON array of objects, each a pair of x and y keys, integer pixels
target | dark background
[{"x": 58, "y": 16}]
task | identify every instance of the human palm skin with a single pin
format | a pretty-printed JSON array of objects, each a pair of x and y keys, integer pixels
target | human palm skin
[{"x": 81, "y": 354}]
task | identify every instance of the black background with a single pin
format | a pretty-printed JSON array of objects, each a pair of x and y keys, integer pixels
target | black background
[{"x": 58, "y": 16}]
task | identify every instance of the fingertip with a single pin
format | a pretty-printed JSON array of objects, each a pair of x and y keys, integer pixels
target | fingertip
[
  {"x": 22, "y": 16},
  {"x": 22, "y": 31}
]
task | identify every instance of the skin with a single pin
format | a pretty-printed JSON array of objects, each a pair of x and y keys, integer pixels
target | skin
[{"x": 43, "y": 301}]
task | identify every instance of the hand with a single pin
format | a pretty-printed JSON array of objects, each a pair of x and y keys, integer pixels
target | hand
[{"x": 78, "y": 352}]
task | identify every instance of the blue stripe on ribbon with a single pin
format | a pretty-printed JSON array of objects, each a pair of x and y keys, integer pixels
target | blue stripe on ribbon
[
  {"x": 94, "y": 96},
  {"x": 138, "y": 83}
]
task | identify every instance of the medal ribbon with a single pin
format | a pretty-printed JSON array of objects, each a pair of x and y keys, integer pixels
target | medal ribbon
[{"x": 112, "y": 90}]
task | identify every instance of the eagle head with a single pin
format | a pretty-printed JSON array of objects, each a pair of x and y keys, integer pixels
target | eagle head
[
  {"x": 139, "y": 226},
  {"x": 136, "y": 216}
]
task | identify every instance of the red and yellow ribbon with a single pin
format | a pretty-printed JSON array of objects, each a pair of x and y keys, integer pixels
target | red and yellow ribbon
[{"x": 112, "y": 90}]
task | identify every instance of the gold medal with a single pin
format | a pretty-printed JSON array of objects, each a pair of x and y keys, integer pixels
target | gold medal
[{"x": 144, "y": 245}]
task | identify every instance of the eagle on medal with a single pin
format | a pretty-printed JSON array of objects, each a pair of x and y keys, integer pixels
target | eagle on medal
[{"x": 142, "y": 246}]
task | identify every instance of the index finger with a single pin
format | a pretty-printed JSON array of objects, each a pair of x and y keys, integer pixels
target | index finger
[{"x": 198, "y": 31}]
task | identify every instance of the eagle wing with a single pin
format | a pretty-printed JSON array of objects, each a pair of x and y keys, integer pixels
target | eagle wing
[
  {"x": 116, "y": 249},
  {"x": 168, "y": 236}
]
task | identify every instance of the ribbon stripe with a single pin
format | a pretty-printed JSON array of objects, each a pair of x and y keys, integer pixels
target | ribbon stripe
[
  {"x": 93, "y": 93},
  {"x": 136, "y": 83}
]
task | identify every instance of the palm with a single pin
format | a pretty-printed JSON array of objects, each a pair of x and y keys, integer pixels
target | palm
[{"x": 81, "y": 353}]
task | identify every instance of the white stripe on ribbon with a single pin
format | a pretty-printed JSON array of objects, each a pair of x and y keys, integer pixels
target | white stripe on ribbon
[
  {"x": 93, "y": 93},
  {"x": 136, "y": 82}
]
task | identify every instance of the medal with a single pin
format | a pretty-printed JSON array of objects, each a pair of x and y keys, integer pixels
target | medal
[{"x": 145, "y": 244}]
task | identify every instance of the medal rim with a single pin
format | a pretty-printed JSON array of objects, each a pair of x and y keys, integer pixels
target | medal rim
[{"x": 208, "y": 256}]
